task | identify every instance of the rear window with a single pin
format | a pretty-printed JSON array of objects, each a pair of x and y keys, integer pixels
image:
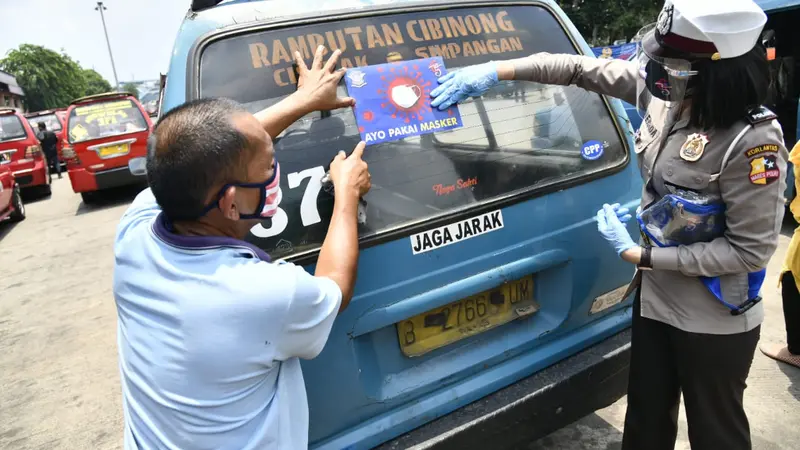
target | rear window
[
  {"x": 518, "y": 138},
  {"x": 103, "y": 119},
  {"x": 11, "y": 128},
  {"x": 50, "y": 120}
]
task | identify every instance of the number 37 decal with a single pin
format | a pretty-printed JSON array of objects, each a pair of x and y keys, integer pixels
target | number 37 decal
[{"x": 309, "y": 214}]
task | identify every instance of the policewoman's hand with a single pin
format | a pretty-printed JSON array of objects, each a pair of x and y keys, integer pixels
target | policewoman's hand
[
  {"x": 613, "y": 230},
  {"x": 461, "y": 84},
  {"x": 317, "y": 85},
  {"x": 350, "y": 174}
]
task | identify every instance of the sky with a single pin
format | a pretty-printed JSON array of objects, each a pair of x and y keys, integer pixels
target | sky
[{"x": 141, "y": 32}]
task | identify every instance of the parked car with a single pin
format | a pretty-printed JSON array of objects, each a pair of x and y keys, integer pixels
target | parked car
[
  {"x": 106, "y": 142},
  {"x": 487, "y": 341},
  {"x": 26, "y": 160},
  {"x": 11, "y": 206},
  {"x": 56, "y": 121}
]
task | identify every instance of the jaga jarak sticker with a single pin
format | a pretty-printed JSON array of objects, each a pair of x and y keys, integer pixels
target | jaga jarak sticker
[{"x": 393, "y": 101}]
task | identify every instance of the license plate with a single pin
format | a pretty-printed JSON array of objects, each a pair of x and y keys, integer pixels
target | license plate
[
  {"x": 113, "y": 150},
  {"x": 467, "y": 317}
]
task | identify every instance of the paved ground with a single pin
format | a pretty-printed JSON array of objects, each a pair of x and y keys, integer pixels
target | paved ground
[{"x": 59, "y": 383}]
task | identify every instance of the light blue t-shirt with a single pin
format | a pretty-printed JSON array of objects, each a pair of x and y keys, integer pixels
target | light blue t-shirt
[{"x": 209, "y": 337}]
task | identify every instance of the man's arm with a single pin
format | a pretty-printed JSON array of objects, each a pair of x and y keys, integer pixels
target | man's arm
[
  {"x": 338, "y": 258},
  {"x": 316, "y": 91}
]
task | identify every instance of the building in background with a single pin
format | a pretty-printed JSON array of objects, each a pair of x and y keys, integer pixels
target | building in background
[{"x": 11, "y": 94}]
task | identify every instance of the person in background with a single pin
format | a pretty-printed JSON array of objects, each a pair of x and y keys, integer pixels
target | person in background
[
  {"x": 48, "y": 141},
  {"x": 790, "y": 280},
  {"x": 210, "y": 331},
  {"x": 699, "y": 79}
]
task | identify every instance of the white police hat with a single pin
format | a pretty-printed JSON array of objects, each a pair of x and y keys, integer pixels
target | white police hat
[{"x": 716, "y": 29}]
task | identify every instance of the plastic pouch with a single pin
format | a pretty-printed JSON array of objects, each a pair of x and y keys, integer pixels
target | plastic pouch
[{"x": 682, "y": 218}]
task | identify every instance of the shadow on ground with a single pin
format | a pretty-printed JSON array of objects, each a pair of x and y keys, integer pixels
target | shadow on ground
[
  {"x": 109, "y": 198},
  {"x": 6, "y": 227},
  {"x": 793, "y": 374},
  {"x": 590, "y": 433}
]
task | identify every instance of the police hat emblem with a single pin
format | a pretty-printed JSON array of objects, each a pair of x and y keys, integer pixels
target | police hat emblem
[
  {"x": 664, "y": 24},
  {"x": 694, "y": 146}
]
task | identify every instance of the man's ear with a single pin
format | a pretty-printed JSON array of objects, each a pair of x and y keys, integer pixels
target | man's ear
[{"x": 227, "y": 204}]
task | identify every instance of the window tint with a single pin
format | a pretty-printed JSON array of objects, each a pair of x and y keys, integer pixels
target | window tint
[
  {"x": 50, "y": 120},
  {"x": 99, "y": 120},
  {"x": 11, "y": 128},
  {"x": 519, "y": 137}
]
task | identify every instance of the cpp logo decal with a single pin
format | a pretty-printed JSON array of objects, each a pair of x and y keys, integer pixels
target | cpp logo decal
[{"x": 592, "y": 150}]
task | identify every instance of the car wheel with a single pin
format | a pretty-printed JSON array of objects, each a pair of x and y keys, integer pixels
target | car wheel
[
  {"x": 19, "y": 207},
  {"x": 88, "y": 197}
]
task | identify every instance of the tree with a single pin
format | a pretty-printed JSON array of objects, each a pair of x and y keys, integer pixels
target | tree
[
  {"x": 130, "y": 87},
  {"x": 603, "y": 22},
  {"x": 49, "y": 79},
  {"x": 95, "y": 83}
]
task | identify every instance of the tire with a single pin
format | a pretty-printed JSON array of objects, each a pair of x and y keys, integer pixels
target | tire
[
  {"x": 19, "y": 207},
  {"x": 88, "y": 197}
]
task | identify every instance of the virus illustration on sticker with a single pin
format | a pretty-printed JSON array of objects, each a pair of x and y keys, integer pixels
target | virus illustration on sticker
[{"x": 405, "y": 90}]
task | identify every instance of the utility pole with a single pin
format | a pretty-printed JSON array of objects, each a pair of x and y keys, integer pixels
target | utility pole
[{"x": 102, "y": 8}]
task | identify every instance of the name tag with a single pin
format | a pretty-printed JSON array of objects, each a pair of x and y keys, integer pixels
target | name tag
[{"x": 456, "y": 232}]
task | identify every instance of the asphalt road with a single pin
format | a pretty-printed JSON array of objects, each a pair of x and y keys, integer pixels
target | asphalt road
[{"x": 59, "y": 381}]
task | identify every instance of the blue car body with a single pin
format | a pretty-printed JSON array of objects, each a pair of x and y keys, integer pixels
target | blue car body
[{"x": 366, "y": 389}]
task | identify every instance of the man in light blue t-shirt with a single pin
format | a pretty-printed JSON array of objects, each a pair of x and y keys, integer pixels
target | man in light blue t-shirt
[{"x": 209, "y": 330}]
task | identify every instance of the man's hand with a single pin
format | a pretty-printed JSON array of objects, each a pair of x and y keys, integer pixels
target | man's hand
[
  {"x": 350, "y": 175},
  {"x": 318, "y": 84}
]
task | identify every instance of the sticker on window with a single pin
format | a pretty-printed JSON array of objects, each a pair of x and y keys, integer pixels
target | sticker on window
[
  {"x": 456, "y": 232},
  {"x": 592, "y": 150},
  {"x": 393, "y": 100}
]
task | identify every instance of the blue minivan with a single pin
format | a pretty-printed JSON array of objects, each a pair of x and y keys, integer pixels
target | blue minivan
[{"x": 512, "y": 329}]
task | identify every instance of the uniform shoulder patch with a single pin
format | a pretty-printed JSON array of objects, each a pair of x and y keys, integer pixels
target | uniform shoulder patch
[
  {"x": 762, "y": 149},
  {"x": 760, "y": 114},
  {"x": 764, "y": 170}
]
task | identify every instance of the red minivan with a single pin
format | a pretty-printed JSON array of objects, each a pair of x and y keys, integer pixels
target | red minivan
[
  {"x": 11, "y": 206},
  {"x": 18, "y": 141},
  {"x": 55, "y": 120},
  {"x": 106, "y": 142}
]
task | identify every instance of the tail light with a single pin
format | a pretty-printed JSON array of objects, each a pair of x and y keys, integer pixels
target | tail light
[
  {"x": 68, "y": 153},
  {"x": 33, "y": 150}
]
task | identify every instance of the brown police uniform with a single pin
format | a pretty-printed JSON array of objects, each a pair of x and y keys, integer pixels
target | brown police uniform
[{"x": 688, "y": 341}]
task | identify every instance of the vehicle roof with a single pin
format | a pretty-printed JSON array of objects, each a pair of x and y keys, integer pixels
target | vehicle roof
[
  {"x": 777, "y": 5},
  {"x": 6, "y": 111},
  {"x": 45, "y": 112},
  {"x": 103, "y": 96}
]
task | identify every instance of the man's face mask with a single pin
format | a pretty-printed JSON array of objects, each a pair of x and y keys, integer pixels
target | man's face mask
[{"x": 270, "y": 196}]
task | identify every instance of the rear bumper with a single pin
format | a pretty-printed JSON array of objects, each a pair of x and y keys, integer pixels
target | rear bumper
[
  {"x": 533, "y": 407},
  {"x": 84, "y": 181},
  {"x": 36, "y": 176}
]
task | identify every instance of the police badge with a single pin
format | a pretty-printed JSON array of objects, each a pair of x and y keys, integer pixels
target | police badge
[
  {"x": 694, "y": 146},
  {"x": 664, "y": 23}
]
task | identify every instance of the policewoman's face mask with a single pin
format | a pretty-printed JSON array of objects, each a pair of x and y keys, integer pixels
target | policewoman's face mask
[
  {"x": 661, "y": 80},
  {"x": 270, "y": 196}
]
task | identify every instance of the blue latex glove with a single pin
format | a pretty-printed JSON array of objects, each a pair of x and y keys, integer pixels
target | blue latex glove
[
  {"x": 613, "y": 230},
  {"x": 457, "y": 86},
  {"x": 623, "y": 214}
]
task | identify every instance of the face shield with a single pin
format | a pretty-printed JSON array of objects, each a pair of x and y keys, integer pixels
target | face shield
[{"x": 661, "y": 80}]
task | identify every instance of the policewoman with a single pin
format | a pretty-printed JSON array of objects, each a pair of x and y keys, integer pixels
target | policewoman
[{"x": 713, "y": 164}]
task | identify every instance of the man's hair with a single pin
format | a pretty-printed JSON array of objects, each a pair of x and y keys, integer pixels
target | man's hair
[
  {"x": 193, "y": 148},
  {"x": 42, "y": 126},
  {"x": 724, "y": 90}
]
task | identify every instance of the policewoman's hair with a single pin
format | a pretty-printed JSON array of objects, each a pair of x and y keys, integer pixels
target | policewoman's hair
[
  {"x": 193, "y": 149},
  {"x": 723, "y": 90}
]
